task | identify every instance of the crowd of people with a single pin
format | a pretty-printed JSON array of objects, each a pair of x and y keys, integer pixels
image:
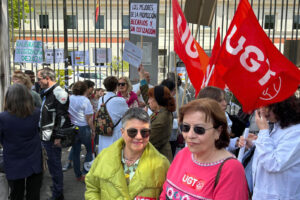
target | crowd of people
[{"x": 141, "y": 158}]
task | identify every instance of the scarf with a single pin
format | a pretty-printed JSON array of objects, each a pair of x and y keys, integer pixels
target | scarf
[{"x": 132, "y": 97}]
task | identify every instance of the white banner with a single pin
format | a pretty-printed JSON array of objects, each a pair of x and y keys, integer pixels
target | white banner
[
  {"x": 80, "y": 58},
  {"x": 132, "y": 54},
  {"x": 59, "y": 56},
  {"x": 101, "y": 55},
  {"x": 29, "y": 51},
  {"x": 143, "y": 17}
]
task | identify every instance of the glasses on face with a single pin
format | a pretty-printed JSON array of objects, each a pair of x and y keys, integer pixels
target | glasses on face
[
  {"x": 39, "y": 79},
  {"x": 197, "y": 129},
  {"x": 122, "y": 84},
  {"x": 132, "y": 132}
]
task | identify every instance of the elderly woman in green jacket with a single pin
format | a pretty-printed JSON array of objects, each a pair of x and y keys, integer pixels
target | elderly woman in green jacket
[
  {"x": 162, "y": 104},
  {"x": 131, "y": 168}
]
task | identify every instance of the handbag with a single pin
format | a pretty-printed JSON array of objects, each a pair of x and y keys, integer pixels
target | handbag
[{"x": 67, "y": 136}]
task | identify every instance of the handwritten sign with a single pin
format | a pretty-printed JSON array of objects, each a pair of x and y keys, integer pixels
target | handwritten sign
[
  {"x": 29, "y": 51},
  {"x": 101, "y": 55},
  {"x": 132, "y": 54},
  {"x": 143, "y": 17},
  {"x": 59, "y": 56},
  {"x": 80, "y": 58}
]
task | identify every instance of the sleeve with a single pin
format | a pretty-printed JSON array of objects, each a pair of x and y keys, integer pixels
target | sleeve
[
  {"x": 62, "y": 119},
  {"x": 278, "y": 157},
  {"x": 231, "y": 147},
  {"x": 144, "y": 91},
  {"x": 92, "y": 183},
  {"x": 158, "y": 136},
  {"x": 232, "y": 183},
  {"x": 88, "y": 108}
]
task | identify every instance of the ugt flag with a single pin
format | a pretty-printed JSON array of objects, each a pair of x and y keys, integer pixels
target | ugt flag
[
  {"x": 189, "y": 51},
  {"x": 251, "y": 66}
]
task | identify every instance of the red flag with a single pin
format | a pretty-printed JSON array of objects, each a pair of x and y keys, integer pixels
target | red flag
[
  {"x": 211, "y": 77},
  {"x": 187, "y": 48},
  {"x": 97, "y": 11},
  {"x": 251, "y": 66}
]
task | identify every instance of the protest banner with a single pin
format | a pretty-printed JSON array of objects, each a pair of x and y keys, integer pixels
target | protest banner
[
  {"x": 101, "y": 56},
  {"x": 143, "y": 17},
  {"x": 132, "y": 54},
  {"x": 59, "y": 56},
  {"x": 80, "y": 58},
  {"x": 29, "y": 51}
]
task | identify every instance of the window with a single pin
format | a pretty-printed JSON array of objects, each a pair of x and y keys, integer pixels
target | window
[
  {"x": 100, "y": 23},
  {"x": 296, "y": 22},
  {"x": 71, "y": 21},
  {"x": 162, "y": 19},
  {"x": 269, "y": 21},
  {"x": 125, "y": 24},
  {"x": 44, "y": 21}
]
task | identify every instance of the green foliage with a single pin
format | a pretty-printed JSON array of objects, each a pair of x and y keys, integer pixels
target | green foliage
[
  {"x": 60, "y": 76},
  {"x": 117, "y": 65},
  {"x": 17, "y": 7}
]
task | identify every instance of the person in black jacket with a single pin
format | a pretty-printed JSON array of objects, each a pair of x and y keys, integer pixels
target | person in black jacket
[{"x": 54, "y": 117}]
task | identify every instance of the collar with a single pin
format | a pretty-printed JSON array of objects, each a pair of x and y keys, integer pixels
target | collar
[{"x": 48, "y": 90}]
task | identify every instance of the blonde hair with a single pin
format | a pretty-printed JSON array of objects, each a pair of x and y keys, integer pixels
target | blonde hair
[
  {"x": 129, "y": 85},
  {"x": 24, "y": 78}
]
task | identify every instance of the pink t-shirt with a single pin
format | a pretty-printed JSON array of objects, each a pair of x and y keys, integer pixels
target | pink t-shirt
[{"x": 189, "y": 180}]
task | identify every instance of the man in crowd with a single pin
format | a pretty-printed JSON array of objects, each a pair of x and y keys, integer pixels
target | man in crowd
[
  {"x": 54, "y": 116},
  {"x": 35, "y": 85}
]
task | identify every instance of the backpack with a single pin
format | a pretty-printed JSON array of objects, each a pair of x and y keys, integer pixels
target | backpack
[{"x": 103, "y": 122}]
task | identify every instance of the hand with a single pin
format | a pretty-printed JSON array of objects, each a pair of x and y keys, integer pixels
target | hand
[
  {"x": 260, "y": 119},
  {"x": 248, "y": 142},
  {"x": 57, "y": 142}
]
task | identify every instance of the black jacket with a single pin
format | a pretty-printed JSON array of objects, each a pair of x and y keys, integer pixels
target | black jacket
[{"x": 54, "y": 114}]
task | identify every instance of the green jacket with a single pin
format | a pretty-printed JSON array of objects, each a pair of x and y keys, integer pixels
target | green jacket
[
  {"x": 106, "y": 178},
  {"x": 161, "y": 128}
]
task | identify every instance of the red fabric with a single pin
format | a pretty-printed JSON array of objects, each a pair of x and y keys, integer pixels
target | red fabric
[
  {"x": 187, "y": 48},
  {"x": 132, "y": 97},
  {"x": 212, "y": 78},
  {"x": 97, "y": 11},
  {"x": 189, "y": 180},
  {"x": 247, "y": 55}
]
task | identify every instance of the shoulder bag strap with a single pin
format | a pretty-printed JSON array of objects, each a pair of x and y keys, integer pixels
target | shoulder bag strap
[
  {"x": 219, "y": 171},
  {"x": 106, "y": 103}
]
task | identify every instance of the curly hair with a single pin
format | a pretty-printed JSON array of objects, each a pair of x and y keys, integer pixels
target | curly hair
[
  {"x": 287, "y": 112},
  {"x": 212, "y": 112}
]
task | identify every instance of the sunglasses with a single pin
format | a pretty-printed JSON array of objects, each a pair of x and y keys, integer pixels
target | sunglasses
[
  {"x": 122, "y": 84},
  {"x": 132, "y": 132},
  {"x": 197, "y": 129}
]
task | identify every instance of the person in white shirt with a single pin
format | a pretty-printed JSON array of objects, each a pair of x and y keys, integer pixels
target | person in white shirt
[
  {"x": 116, "y": 108},
  {"x": 276, "y": 160},
  {"x": 81, "y": 114},
  {"x": 136, "y": 89}
]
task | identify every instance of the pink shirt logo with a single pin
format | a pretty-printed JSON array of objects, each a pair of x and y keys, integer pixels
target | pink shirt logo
[{"x": 192, "y": 182}]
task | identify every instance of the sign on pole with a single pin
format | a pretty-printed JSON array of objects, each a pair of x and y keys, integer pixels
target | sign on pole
[
  {"x": 59, "y": 56},
  {"x": 143, "y": 17},
  {"x": 132, "y": 54},
  {"x": 101, "y": 56},
  {"x": 80, "y": 58},
  {"x": 29, "y": 51}
]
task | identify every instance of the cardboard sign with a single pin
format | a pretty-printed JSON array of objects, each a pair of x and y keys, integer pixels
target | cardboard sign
[
  {"x": 59, "y": 56},
  {"x": 143, "y": 17},
  {"x": 29, "y": 51},
  {"x": 101, "y": 55},
  {"x": 132, "y": 54},
  {"x": 80, "y": 58}
]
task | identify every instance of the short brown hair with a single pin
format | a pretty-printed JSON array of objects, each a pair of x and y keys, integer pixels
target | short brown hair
[
  {"x": 212, "y": 111},
  {"x": 169, "y": 101},
  {"x": 79, "y": 88},
  {"x": 23, "y": 77},
  {"x": 110, "y": 83},
  {"x": 212, "y": 93},
  {"x": 18, "y": 101}
]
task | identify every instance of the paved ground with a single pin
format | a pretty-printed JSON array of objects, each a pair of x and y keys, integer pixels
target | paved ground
[{"x": 73, "y": 190}]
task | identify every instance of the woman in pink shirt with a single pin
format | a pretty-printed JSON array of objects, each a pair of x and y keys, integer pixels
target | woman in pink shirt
[{"x": 204, "y": 169}]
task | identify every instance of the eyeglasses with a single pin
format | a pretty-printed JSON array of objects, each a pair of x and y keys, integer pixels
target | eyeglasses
[
  {"x": 122, "y": 84},
  {"x": 132, "y": 132},
  {"x": 39, "y": 79},
  {"x": 197, "y": 129}
]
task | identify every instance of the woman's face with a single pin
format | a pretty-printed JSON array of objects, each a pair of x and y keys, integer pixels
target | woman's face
[
  {"x": 153, "y": 104},
  {"x": 223, "y": 103},
  {"x": 138, "y": 143},
  {"x": 200, "y": 144},
  {"x": 122, "y": 85}
]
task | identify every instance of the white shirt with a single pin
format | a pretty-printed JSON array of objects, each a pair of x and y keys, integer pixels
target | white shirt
[
  {"x": 116, "y": 108},
  {"x": 79, "y": 107},
  {"x": 136, "y": 87},
  {"x": 276, "y": 164}
]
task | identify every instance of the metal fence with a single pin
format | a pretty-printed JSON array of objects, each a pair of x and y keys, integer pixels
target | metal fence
[{"x": 70, "y": 24}]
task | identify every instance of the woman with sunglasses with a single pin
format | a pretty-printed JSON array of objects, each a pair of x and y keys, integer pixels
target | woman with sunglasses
[
  {"x": 162, "y": 104},
  {"x": 204, "y": 169},
  {"x": 125, "y": 91},
  {"x": 131, "y": 168}
]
